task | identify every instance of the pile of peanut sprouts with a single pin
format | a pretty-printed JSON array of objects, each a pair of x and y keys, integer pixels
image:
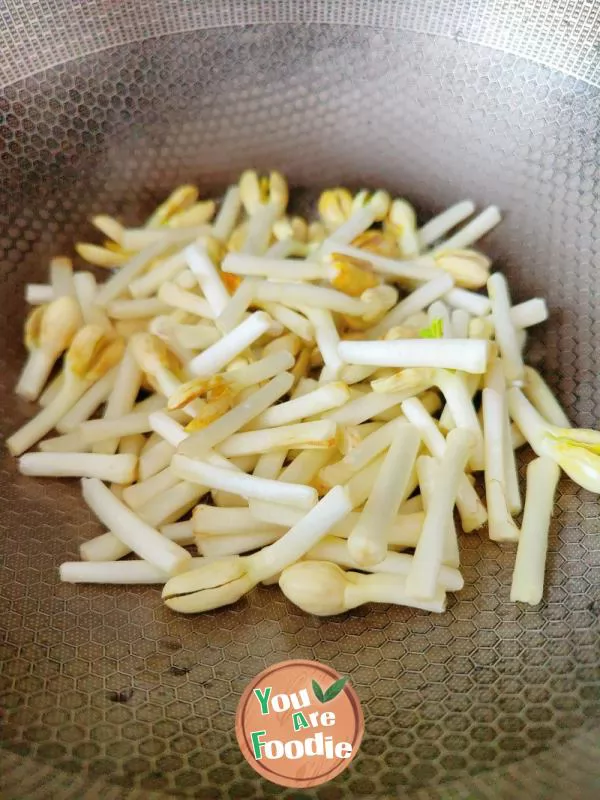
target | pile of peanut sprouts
[{"x": 300, "y": 402}]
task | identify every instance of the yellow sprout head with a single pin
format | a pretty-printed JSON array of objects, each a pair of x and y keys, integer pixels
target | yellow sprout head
[
  {"x": 335, "y": 206},
  {"x": 93, "y": 352},
  {"x": 219, "y": 583},
  {"x": 469, "y": 268},
  {"x": 182, "y": 198},
  {"x": 259, "y": 190}
]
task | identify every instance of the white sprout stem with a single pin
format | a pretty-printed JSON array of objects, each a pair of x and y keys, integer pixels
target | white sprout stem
[
  {"x": 213, "y": 521},
  {"x": 540, "y": 395},
  {"x": 439, "y": 225},
  {"x": 494, "y": 380},
  {"x": 175, "y": 434},
  {"x": 279, "y": 269},
  {"x": 528, "y": 575},
  {"x": 132, "y": 445},
  {"x": 171, "y": 505},
  {"x": 52, "y": 389},
  {"x": 358, "y": 457},
  {"x": 438, "y": 310},
  {"x": 367, "y": 543},
  {"x": 505, "y": 333},
  {"x": 122, "y": 397},
  {"x": 166, "y": 329},
  {"x": 529, "y": 313},
  {"x": 469, "y": 355},
  {"x": 422, "y": 580},
  {"x": 305, "y": 467},
  {"x": 384, "y": 588},
  {"x": 61, "y": 277},
  {"x": 175, "y": 296},
  {"x": 223, "y": 499},
  {"x": 37, "y": 294},
  {"x": 218, "y": 355},
  {"x": 233, "y": 313},
  {"x": 298, "y": 295},
  {"x": 262, "y": 370},
  {"x": 511, "y": 472},
  {"x": 234, "y": 544},
  {"x": 356, "y": 373},
  {"x": 69, "y": 443},
  {"x": 516, "y": 437},
  {"x": 302, "y": 536},
  {"x": 302, "y": 435},
  {"x": 140, "y": 493},
  {"x": 331, "y": 548},
  {"x": 358, "y": 222},
  {"x": 170, "y": 430},
  {"x": 292, "y": 320},
  {"x": 460, "y": 323},
  {"x": 472, "y": 512},
  {"x": 97, "y": 430},
  {"x": 119, "y": 282},
  {"x": 144, "y": 540},
  {"x": 138, "y": 238},
  {"x": 364, "y": 407},
  {"x": 269, "y": 465},
  {"x": 227, "y": 425},
  {"x": 143, "y": 308},
  {"x": 186, "y": 280},
  {"x": 472, "y": 231},
  {"x": 530, "y": 422},
  {"x": 115, "y": 468},
  {"x": 227, "y": 215},
  {"x": 285, "y": 248},
  {"x": 155, "y": 459},
  {"x": 116, "y": 572},
  {"x": 148, "y": 284},
  {"x": 419, "y": 270},
  {"x": 427, "y": 471},
  {"x": 412, "y": 303},
  {"x": 327, "y": 339},
  {"x": 86, "y": 290},
  {"x": 196, "y": 337},
  {"x": 180, "y": 532},
  {"x": 331, "y": 395},
  {"x": 47, "y": 418},
  {"x": 458, "y": 399},
  {"x": 88, "y": 403},
  {"x": 404, "y": 530},
  {"x": 248, "y": 486},
  {"x": 472, "y": 383},
  {"x": 208, "y": 277},
  {"x": 288, "y": 341},
  {"x": 35, "y": 373},
  {"x": 107, "y": 547},
  {"x": 361, "y": 483},
  {"x": 259, "y": 230},
  {"x": 500, "y": 523},
  {"x": 304, "y": 386},
  {"x": 477, "y": 304}
]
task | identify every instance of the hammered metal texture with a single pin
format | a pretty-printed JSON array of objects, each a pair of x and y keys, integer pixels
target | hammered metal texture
[{"x": 473, "y": 698}]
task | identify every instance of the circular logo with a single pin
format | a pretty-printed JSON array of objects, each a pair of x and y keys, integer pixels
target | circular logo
[{"x": 299, "y": 723}]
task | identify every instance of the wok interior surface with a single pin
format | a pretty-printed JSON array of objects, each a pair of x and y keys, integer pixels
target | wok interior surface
[{"x": 106, "y": 691}]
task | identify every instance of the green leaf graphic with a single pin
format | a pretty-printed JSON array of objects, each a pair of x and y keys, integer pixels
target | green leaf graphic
[
  {"x": 335, "y": 688},
  {"x": 318, "y": 692}
]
